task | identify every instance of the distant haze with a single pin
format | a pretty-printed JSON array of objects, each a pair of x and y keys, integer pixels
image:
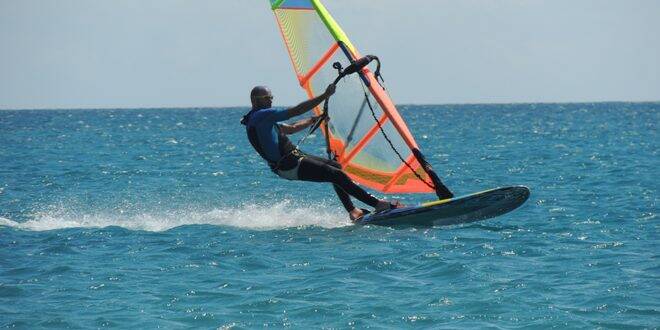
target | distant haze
[{"x": 197, "y": 53}]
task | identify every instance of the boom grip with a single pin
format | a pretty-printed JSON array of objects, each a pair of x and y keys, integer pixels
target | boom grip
[{"x": 358, "y": 65}]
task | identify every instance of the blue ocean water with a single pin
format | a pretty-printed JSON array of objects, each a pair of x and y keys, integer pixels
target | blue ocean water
[{"x": 167, "y": 218}]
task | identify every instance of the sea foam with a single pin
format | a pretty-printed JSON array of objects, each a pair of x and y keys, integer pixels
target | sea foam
[{"x": 248, "y": 216}]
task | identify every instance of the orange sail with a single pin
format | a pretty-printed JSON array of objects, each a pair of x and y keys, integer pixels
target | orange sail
[{"x": 366, "y": 133}]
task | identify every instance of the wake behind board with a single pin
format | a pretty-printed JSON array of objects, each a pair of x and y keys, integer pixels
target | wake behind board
[{"x": 474, "y": 207}]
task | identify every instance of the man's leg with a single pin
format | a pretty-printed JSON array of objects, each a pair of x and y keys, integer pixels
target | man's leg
[
  {"x": 343, "y": 196},
  {"x": 317, "y": 169}
]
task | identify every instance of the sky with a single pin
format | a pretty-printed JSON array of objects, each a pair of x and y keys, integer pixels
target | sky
[{"x": 210, "y": 53}]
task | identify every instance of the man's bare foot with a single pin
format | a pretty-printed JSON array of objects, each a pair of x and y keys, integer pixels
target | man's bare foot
[{"x": 356, "y": 214}]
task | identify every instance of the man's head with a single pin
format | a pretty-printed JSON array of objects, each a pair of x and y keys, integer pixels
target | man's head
[{"x": 261, "y": 98}]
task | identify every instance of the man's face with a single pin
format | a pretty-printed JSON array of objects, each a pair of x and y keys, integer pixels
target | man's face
[{"x": 265, "y": 99}]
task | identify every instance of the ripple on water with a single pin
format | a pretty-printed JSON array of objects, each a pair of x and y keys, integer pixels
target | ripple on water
[{"x": 166, "y": 218}]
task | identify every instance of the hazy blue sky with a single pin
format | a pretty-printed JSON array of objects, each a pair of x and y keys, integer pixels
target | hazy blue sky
[{"x": 181, "y": 53}]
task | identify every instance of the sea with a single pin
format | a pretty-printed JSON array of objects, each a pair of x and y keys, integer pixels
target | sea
[{"x": 167, "y": 218}]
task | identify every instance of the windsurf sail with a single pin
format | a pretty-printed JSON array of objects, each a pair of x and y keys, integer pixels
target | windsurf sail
[{"x": 365, "y": 132}]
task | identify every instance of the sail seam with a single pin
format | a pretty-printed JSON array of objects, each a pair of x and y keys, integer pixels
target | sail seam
[{"x": 398, "y": 173}]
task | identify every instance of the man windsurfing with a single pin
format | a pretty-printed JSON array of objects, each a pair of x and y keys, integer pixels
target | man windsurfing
[{"x": 268, "y": 135}]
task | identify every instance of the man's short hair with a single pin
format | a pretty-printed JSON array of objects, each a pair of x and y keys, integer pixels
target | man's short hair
[{"x": 258, "y": 91}]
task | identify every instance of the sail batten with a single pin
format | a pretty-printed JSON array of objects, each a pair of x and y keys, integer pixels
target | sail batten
[
  {"x": 364, "y": 127},
  {"x": 319, "y": 64},
  {"x": 364, "y": 140}
]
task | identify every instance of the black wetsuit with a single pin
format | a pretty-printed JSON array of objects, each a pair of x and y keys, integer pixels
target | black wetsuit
[{"x": 282, "y": 155}]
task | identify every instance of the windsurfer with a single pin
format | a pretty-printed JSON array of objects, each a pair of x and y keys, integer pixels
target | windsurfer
[{"x": 269, "y": 138}]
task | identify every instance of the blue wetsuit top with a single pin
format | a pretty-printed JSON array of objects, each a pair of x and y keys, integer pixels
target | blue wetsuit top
[{"x": 266, "y": 137}]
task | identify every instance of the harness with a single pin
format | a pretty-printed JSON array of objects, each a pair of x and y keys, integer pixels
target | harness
[{"x": 291, "y": 153}]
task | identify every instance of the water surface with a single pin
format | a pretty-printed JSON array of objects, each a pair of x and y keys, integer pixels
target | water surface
[{"x": 168, "y": 218}]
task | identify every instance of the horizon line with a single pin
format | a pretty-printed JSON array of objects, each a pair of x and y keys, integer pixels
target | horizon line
[{"x": 288, "y": 106}]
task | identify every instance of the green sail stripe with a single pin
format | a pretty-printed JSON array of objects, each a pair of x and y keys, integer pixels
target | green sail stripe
[
  {"x": 332, "y": 25},
  {"x": 276, "y": 4}
]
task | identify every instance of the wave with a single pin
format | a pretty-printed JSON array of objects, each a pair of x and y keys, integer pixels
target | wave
[{"x": 250, "y": 216}]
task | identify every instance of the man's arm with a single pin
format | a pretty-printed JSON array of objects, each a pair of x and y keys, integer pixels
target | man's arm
[
  {"x": 310, "y": 104},
  {"x": 298, "y": 126}
]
